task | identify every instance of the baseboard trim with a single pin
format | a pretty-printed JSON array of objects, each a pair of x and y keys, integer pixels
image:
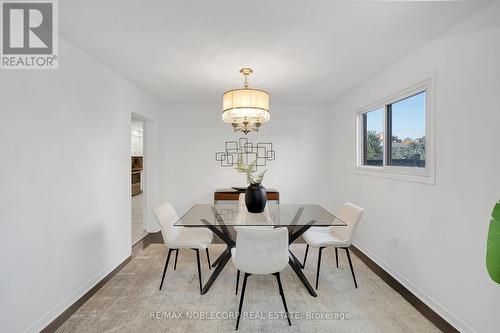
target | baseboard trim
[
  {"x": 410, "y": 297},
  {"x": 66, "y": 314}
]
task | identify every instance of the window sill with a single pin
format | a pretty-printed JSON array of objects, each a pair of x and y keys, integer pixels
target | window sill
[{"x": 397, "y": 173}]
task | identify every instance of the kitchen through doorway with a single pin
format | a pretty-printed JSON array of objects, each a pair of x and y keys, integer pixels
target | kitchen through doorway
[{"x": 137, "y": 134}]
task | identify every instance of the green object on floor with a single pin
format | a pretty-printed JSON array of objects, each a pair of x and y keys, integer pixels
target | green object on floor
[{"x": 493, "y": 246}]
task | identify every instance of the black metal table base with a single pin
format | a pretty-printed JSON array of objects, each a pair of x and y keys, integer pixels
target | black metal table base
[
  {"x": 302, "y": 277},
  {"x": 295, "y": 260},
  {"x": 221, "y": 261}
]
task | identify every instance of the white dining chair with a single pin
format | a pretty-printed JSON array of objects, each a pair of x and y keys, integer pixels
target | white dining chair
[
  {"x": 337, "y": 237},
  {"x": 178, "y": 237},
  {"x": 242, "y": 216},
  {"x": 260, "y": 251}
]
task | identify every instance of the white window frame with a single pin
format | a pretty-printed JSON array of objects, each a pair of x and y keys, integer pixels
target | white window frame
[{"x": 414, "y": 174}]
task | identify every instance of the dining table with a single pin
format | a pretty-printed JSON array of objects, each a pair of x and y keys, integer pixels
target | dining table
[{"x": 298, "y": 218}]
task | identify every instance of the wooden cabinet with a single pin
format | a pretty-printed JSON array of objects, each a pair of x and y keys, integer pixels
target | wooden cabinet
[
  {"x": 136, "y": 177},
  {"x": 229, "y": 194},
  {"x": 136, "y": 188}
]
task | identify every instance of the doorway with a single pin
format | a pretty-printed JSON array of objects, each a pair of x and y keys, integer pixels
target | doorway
[{"x": 138, "y": 176}]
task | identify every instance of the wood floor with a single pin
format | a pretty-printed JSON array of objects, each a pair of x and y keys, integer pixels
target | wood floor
[{"x": 131, "y": 301}]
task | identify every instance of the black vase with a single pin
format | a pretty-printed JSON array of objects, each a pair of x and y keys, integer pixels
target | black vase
[{"x": 255, "y": 198}]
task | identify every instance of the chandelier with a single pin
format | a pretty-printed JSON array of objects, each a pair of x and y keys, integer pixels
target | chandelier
[{"x": 246, "y": 109}]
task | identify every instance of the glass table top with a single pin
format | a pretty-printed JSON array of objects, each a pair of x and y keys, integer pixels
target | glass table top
[{"x": 274, "y": 215}]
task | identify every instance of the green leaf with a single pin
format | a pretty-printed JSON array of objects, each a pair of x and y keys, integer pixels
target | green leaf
[{"x": 247, "y": 169}]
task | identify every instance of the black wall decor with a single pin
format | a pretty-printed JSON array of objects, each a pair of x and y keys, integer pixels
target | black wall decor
[{"x": 261, "y": 152}]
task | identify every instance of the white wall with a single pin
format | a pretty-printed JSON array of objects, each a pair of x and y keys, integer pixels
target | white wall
[
  {"x": 195, "y": 133},
  {"x": 136, "y": 148},
  {"x": 65, "y": 204},
  {"x": 441, "y": 228},
  {"x": 136, "y": 139},
  {"x": 65, "y": 180}
]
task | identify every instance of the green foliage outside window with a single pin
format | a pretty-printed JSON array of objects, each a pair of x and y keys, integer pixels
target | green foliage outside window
[
  {"x": 413, "y": 151},
  {"x": 374, "y": 147}
]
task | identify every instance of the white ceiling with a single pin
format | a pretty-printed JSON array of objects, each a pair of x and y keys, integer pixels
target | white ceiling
[{"x": 302, "y": 52}]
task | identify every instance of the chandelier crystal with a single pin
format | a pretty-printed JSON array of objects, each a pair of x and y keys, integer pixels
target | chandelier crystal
[{"x": 246, "y": 109}]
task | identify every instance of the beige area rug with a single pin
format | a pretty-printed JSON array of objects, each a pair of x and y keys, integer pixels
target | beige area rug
[{"x": 131, "y": 301}]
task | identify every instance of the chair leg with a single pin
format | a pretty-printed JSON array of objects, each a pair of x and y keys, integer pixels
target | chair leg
[
  {"x": 352, "y": 269},
  {"x": 208, "y": 259},
  {"x": 199, "y": 268},
  {"x": 319, "y": 265},
  {"x": 282, "y": 294},
  {"x": 237, "y": 281},
  {"x": 241, "y": 299},
  {"x": 305, "y": 256},
  {"x": 165, "y": 269},
  {"x": 337, "y": 257},
  {"x": 176, "y": 255}
]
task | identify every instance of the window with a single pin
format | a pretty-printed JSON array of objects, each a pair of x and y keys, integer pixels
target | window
[
  {"x": 406, "y": 128},
  {"x": 373, "y": 137},
  {"x": 393, "y": 134}
]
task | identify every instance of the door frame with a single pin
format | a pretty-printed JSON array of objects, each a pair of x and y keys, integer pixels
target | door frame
[{"x": 150, "y": 172}]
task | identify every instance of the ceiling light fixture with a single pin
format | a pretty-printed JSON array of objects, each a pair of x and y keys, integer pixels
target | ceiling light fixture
[{"x": 246, "y": 109}]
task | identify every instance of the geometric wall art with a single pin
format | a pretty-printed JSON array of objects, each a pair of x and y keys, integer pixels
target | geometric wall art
[{"x": 250, "y": 152}]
